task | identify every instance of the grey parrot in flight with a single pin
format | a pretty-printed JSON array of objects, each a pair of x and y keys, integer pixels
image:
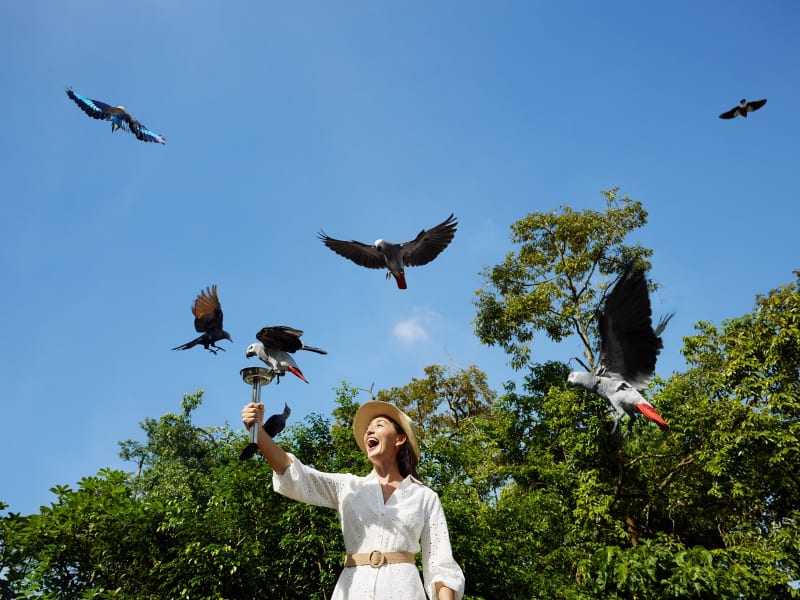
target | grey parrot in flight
[
  {"x": 275, "y": 347},
  {"x": 208, "y": 321},
  {"x": 628, "y": 350},
  {"x": 743, "y": 108},
  {"x": 273, "y": 426},
  {"x": 386, "y": 255}
]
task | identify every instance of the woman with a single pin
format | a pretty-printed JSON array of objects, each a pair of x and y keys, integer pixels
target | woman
[{"x": 387, "y": 517}]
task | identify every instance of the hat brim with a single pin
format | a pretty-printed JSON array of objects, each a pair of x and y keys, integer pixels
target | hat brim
[{"x": 377, "y": 408}]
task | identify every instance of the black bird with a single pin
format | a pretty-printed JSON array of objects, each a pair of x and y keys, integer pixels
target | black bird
[
  {"x": 208, "y": 321},
  {"x": 277, "y": 422},
  {"x": 386, "y": 255},
  {"x": 273, "y": 426},
  {"x": 743, "y": 108}
]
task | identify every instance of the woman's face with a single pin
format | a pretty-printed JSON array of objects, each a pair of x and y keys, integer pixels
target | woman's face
[{"x": 381, "y": 439}]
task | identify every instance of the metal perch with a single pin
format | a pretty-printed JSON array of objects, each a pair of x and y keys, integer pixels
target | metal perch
[{"x": 255, "y": 376}]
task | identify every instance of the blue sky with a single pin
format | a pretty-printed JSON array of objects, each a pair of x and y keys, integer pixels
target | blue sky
[{"x": 368, "y": 120}]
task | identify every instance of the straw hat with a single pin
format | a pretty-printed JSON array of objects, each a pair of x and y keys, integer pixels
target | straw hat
[{"x": 376, "y": 408}]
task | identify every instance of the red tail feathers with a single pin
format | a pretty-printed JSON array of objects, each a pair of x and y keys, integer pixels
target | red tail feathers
[
  {"x": 648, "y": 411},
  {"x": 297, "y": 372}
]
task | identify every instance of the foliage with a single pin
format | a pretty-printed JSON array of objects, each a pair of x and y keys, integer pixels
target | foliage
[
  {"x": 547, "y": 285},
  {"x": 542, "y": 499},
  {"x": 443, "y": 399}
]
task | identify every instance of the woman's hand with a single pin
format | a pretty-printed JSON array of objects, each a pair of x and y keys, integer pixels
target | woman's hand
[
  {"x": 252, "y": 413},
  {"x": 275, "y": 455},
  {"x": 443, "y": 592}
]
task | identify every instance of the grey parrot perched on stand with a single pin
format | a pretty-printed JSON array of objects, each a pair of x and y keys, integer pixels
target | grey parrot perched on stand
[
  {"x": 628, "y": 350},
  {"x": 385, "y": 255},
  {"x": 276, "y": 345}
]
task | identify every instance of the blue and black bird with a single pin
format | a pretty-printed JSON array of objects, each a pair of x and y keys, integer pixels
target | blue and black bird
[{"x": 119, "y": 117}]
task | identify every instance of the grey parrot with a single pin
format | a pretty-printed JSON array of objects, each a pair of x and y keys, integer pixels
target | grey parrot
[
  {"x": 273, "y": 426},
  {"x": 743, "y": 108},
  {"x": 385, "y": 255},
  {"x": 628, "y": 350},
  {"x": 207, "y": 312},
  {"x": 276, "y": 345}
]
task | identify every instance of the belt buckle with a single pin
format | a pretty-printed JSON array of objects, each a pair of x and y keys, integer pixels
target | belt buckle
[{"x": 376, "y": 559}]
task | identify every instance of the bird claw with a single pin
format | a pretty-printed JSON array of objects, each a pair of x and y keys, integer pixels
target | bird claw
[{"x": 616, "y": 423}]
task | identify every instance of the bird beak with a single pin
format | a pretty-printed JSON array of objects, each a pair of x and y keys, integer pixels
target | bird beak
[{"x": 249, "y": 354}]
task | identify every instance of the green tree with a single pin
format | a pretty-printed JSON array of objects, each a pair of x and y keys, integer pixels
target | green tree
[
  {"x": 542, "y": 500},
  {"x": 443, "y": 399},
  {"x": 548, "y": 284}
]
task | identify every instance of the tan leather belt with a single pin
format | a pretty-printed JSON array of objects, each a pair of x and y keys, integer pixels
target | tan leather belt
[{"x": 376, "y": 558}]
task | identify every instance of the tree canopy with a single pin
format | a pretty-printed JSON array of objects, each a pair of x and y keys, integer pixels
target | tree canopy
[{"x": 549, "y": 284}]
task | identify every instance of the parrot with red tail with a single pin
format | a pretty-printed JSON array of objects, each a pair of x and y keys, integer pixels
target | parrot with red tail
[
  {"x": 628, "y": 349},
  {"x": 386, "y": 255},
  {"x": 275, "y": 347}
]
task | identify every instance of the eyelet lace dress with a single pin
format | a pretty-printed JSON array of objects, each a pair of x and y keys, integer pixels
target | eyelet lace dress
[{"x": 411, "y": 520}]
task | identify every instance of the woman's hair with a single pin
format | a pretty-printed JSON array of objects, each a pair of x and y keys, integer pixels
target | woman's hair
[{"x": 406, "y": 459}]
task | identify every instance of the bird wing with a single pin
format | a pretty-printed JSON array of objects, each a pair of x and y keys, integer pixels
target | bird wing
[
  {"x": 628, "y": 344},
  {"x": 756, "y": 104},
  {"x": 730, "y": 114},
  {"x": 280, "y": 337},
  {"x": 143, "y": 133},
  {"x": 365, "y": 255},
  {"x": 207, "y": 311},
  {"x": 429, "y": 244},
  {"x": 93, "y": 108}
]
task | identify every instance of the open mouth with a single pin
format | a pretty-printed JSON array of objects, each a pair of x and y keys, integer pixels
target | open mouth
[{"x": 372, "y": 443}]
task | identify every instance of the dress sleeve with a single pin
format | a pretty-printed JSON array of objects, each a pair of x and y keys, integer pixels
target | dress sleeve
[
  {"x": 305, "y": 484},
  {"x": 438, "y": 564}
]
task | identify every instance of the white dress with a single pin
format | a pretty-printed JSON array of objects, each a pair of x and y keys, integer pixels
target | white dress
[{"x": 411, "y": 520}]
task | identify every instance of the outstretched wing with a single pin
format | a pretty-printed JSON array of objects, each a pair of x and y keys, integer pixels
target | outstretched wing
[
  {"x": 143, "y": 133},
  {"x": 429, "y": 244},
  {"x": 628, "y": 344},
  {"x": 730, "y": 114},
  {"x": 207, "y": 311},
  {"x": 362, "y": 254},
  {"x": 93, "y": 108},
  {"x": 756, "y": 104},
  {"x": 280, "y": 337}
]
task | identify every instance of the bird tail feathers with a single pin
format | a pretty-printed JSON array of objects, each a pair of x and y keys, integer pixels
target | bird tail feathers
[
  {"x": 297, "y": 372},
  {"x": 662, "y": 323},
  {"x": 648, "y": 411},
  {"x": 314, "y": 349},
  {"x": 188, "y": 345}
]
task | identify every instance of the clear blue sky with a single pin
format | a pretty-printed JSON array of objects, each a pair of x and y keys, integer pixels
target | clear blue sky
[{"x": 366, "y": 119}]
